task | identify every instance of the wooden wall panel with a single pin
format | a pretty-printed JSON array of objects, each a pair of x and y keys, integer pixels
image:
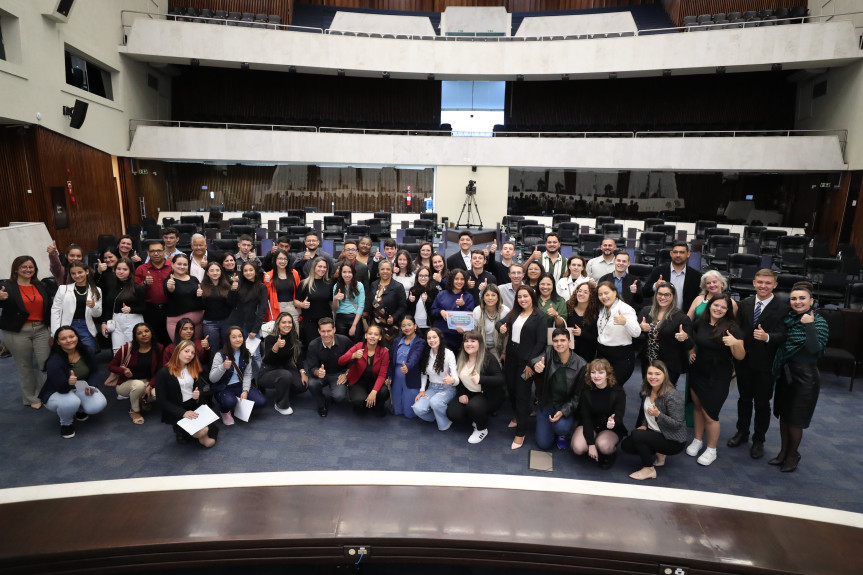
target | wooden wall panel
[
  {"x": 283, "y": 8},
  {"x": 19, "y": 173},
  {"x": 856, "y": 212},
  {"x": 280, "y": 188}
]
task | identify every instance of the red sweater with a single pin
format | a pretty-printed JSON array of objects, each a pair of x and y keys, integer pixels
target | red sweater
[{"x": 380, "y": 364}]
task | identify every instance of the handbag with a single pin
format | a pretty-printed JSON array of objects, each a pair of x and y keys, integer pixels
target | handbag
[
  {"x": 571, "y": 337},
  {"x": 114, "y": 378}
]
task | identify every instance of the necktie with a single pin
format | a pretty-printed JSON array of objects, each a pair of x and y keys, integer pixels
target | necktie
[{"x": 756, "y": 315}]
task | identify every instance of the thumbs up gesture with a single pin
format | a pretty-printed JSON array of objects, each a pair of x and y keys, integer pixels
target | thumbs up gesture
[
  {"x": 4, "y": 295},
  {"x": 306, "y": 303},
  {"x": 126, "y": 309},
  {"x": 425, "y": 296},
  {"x": 493, "y": 247},
  {"x": 412, "y": 298},
  {"x": 404, "y": 367},
  {"x": 610, "y": 423},
  {"x": 205, "y": 343},
  {"x": 91, "y": 302},
  {"x": 307, "y": 255},
  {"x": 460, "y": 301},
  {"x": 227, "y": 364},
  {"x": 280, "y": 343},
  {"x": 199, "y": 292},
  {"x": 645, "y": 327},
  {"x": 483, "y": 285},
  {"x": 340, "y": 295},
  {"x": 729, "y": 340},
  {"x": 634, "y": 287},
  {"x": 135, "y": 257},
  {"x": 101, "y": 266},
  {"x": 681, "y": 335},
  {"x": 447, "y": 378},
  {"x": 619, "y": 319},
  {"x": 759, "y": 333},
  {"x": 470, "y": 283},
  {"x": 72, "y": 378},
  {"x": 540, "y": 366},
  {"x": 235, "y": 283},
  {"x": 149, "y": 279},
  {"x": 659, "y": 281},
  {"x": 171, "y": 284},
  {"x": 591, "y": 281},
  {"x": 357, "y": 354},
  {"x": 575, "y": 331},
  {"x": 808, "y": 317},
  {"x": 322, "y": 373}
]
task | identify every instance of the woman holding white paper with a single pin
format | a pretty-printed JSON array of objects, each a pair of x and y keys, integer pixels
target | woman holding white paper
[
  {"x": 231, "y": 375},
  {"x": 454, "y": 298},
  {"x": 70, "y": 362},
  {"x": 178, "y": 388}
]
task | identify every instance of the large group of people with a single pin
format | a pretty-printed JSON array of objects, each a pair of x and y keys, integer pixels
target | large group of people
[{"x": 441, "y": 339}]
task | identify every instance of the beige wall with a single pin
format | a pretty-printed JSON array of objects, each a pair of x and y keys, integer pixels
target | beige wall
[
  {"x": 33, "y": 79},
  {"x": 491, "y": 192}
]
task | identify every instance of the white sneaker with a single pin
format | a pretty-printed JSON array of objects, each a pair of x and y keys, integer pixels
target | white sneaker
[
  {"x": 477, "y": 436},
  {"x": 694, "y": 447},
  {"x": 288, "y": 411},
  {"x": 708, "y": 457},
  {"x": 227, "y": 418},
  {"x": 122, "y": 397}
]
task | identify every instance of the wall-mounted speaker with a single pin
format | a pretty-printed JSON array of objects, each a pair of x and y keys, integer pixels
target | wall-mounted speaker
[
  {"x": 62, "y": 8},
  {"x": 78, "y": 113}
]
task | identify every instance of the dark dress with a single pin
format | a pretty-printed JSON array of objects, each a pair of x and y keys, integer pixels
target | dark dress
[
  {"x": 585, "y": 344},
  {"x": 660, "y": 343},
  {"x": 595, "y": 406},
  {"x": 710, "y": 373}
]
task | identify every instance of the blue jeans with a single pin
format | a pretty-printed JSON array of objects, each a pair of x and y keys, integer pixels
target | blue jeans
[
  {"x": 217, "y": 330},
  {"x": 84, "y": 336},
  {"x": 228, "y": 397},
  {"x": 432, "y": 406},
  {"x": 67, "y": 404},
  {"x": 546, "y": 431}
]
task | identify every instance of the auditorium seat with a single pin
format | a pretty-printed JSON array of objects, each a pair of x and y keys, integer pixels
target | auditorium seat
[
  {"x": 286, "y": 222},
  {"x": 557, "y": 219},
  {"x": 701, "y": 226},
  {"x": 234, "y": 18},
  {"x": 835, "y": 351},
  {"x": 532, "y": 236},
  {"x": 298, "y": 214},
  {"x": 670, "y": 231},
  {"x": 415, "y": 235},
  {"x": 784, "y": 283},
  {"x": 254, "y": 218},
  {"x": 602, "y": 220},
  {"x": 298, "y": 231},
  {"x": 568, "y": 232},
  {"x": 355, "y": 232},
  {"x": 346, "y": 215},
  {"x": 718, "y": 248},
  {"x": 428, "y": 226},
  {"x": 650, "y": 243},
  {"x": 791, "y": 251}
]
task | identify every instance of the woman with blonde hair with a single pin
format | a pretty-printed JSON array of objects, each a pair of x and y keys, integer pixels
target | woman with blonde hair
[{"x": 181, "y": 391}]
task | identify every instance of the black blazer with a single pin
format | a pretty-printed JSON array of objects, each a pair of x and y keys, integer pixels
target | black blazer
[
  {"x": 633, "y": 299},
  {"x": 411, "y": 306},
  {"x": 491, "y": 380},
  {"x": 393, "y": 300},
  {"x": 14, "y": 314},
  {"x": 534, "y": 338},
  {"x": 759, "y": 354},
  {"x": 675, "y": 354},
  {"x": 691, "y": 283},
  {"x": 455, "y": 261},
  {"x": 170, "y": 396}
]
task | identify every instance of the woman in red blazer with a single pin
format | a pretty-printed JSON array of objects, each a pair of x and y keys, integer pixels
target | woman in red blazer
[{"x": 369, "y": 363}]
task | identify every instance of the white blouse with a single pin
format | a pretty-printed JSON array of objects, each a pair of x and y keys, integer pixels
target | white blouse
[
  {"x": 649, "y": 419},
  {"x": 566, "y": 286},
  {"x": 613, "y": 335},
  {"x": 516, "y": 328},
  {"x": 187, "y": 384},
  {"x": 431, "y": 376}
]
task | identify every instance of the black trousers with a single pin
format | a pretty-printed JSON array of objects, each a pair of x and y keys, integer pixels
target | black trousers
[
  {"x": 344, "y": 321},
  {"x": 157, "y": 317},
  {"x": 358, "y": 392},
  {"x": 756, "y": 389},
  {"x": 518, "y": 388},
  {"x": 646, "y": 443},
  {"x": 477, "y": 409},
  {"x": 286, "y": 382},
  {"x": 621, "y": 358}
]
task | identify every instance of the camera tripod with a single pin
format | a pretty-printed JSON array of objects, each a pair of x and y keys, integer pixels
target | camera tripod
[{"x": 470, "y": 206}]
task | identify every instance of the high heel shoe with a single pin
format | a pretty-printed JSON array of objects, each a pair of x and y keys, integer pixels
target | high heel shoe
[
  {"x": 790, "y": 464},
  {"x": 778, "y": 460},
  {"x": 517, "y": 442}
]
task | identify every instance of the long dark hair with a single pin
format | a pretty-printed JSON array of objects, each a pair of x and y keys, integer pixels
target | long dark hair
[
  {"x": 207, "y": 285},
  {"x": 184, "y": 321},
  {"x": 555, "y": 297},
  {"x": 91, "y": 285},
  {"x": 135, "y": 344},
  {"x": 441, "y": 352},
  {"x": 726, "y": 323},
  {"x": 248, "y": 289},
  {"x": 350, "y": 289},
  {"x": 418, "y": 260},
  {"x": 79, "y": 347},
  {"x": 410, "y": 267},
  {"x": 228, "y": 352},
  {"x": 517, "y": 309},
  {"x": 418, "y": 289},
  {"x": 127, "y": 291},
  {"x": 450, "y": 280},
  {"x": 293, "y": 336},
  {"x": 591, "y": 312}
]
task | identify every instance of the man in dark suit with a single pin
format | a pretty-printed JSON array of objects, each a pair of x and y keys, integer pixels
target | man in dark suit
[
  {"x": 686, "y": 280},
  {"x": 461, "y": 259},
  {"x": 762, "y": 321},
  {"x": 626, "y": 284}
]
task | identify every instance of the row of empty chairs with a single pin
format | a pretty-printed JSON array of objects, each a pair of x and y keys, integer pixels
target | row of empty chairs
[
  {"x": 748, "y": 19},
  {"x": 225, "y": 18}
]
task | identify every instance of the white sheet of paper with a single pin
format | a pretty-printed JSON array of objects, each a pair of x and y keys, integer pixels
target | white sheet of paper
[
  {"x": 252, "y": 344},
  {"x": 462, "y": 319},
  {"x": 206, "y": 416},
  {"x": 243, "y": 410},
  {"x": 81, "y": 386}
]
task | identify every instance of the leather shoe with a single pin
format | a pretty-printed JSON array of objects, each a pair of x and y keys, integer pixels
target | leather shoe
[
  {"x": 757, "y": 451},
  {"x": 778, "y": 460},
  {"x": 790, "y": 464},
  {"x": 737, "y": 439},
  {"x": 322, "y": 411}
]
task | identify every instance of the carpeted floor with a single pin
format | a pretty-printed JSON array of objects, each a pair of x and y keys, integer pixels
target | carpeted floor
[{"x": 109, "y": 446}]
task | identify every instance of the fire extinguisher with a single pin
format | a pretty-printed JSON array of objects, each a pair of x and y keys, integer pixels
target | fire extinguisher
[{"x": 409, "y": 196}]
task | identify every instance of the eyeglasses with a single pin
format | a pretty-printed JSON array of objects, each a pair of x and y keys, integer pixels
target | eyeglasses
[
  {"x": 155, "y": 251},
  {"x": 663, "y": 295}
]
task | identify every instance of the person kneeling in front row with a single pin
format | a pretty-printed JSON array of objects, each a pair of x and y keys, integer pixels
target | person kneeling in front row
[
  {"x": 661, "y": 425},
  {"x": 179, "y": 387},
  {"x": 564, "y": 380}
]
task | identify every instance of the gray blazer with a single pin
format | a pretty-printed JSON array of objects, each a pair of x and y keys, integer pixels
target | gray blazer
[{"x": 671, "y": 418}]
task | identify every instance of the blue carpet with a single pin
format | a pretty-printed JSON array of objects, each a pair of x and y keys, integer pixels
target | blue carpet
[{"x": 109, "y": 446}]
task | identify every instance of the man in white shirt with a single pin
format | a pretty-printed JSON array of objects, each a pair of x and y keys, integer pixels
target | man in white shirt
[
  {"x": 551, "y": 261},
  {"x": 507, "y": 291},
  {"x": 604, "y": 264},
  {"x": 461, "y": 259}
]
